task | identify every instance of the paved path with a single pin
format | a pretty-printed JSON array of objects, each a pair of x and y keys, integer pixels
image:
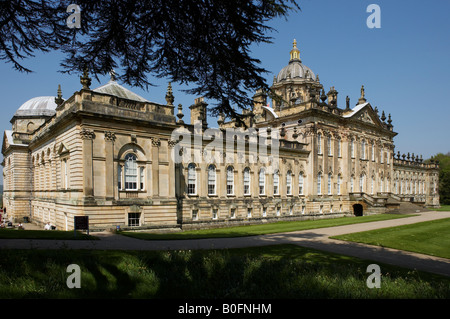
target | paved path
[{"x": 313, "y": 238}]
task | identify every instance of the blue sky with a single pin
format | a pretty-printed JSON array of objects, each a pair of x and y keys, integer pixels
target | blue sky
[{"x": 404, "y": 66}]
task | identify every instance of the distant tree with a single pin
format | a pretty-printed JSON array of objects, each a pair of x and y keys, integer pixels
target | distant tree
[
  {"x": 204, "y": 43},
  {"x": 444, "y": 177}
]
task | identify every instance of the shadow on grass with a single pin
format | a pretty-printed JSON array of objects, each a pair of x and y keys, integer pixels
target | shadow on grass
[{"x": 284, "y": 271}]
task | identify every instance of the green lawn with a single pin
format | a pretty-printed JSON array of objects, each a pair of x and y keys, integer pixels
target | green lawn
[
  {"x": 431, "y": 238},
  {"x": 268, "y": 228},
  {"x": 444, "y": 208},
  {"x": 284, "y": 271},
  {"x": 14, "y": 233}
]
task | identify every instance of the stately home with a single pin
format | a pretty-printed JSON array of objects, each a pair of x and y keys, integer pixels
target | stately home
[{"x": 122, "y": 160}]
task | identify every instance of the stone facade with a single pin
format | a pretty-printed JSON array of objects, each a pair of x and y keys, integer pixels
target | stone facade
[{"x": 111, "y": 155}]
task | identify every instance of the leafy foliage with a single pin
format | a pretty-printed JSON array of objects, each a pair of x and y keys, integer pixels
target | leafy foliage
[
  {"x": 205, "y": 43},
  {"x": 444, "y": 177}
]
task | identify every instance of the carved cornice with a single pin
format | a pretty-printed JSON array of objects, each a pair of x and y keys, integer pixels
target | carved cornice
[
  {"x": 87, "y": 134},
  {"x": 110, "y": 136},
  {"x": 156, "y": 142}
]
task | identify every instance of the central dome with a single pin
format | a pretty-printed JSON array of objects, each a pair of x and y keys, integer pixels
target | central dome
[{"x": 295, "y": 69}]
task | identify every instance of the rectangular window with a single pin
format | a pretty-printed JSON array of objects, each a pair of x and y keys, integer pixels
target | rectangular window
[
  {"x": 134, "y": 219},
  {"x": 291, "y": 210},
  {"x": 214, "y": 213},
  {"x": 195, "y": 214},
  {"x": 65, "y": 172},
  {"x": 319, "y": 184},
  {"x": 233, "y": 213},
  {"x": 373, "y": 152},
  {"x": 278, "y": 211},
  {"x": 262, "y": 182},
  {"x": 319, "y": 144},
  {"x": 329, "y": 184},
  {"x": 264, "y": 212},
  {"x": 339, "y": 184},
  {"x": 230, "y": 181},
  {"x": 249, "y": 212},
  {"x": 211, "y": 180},
  {"x": 289, "y": 183},
  {"x": 246, "y": 181},
  {"x": 191, "y": 180},
  {"x": 276, "y": 183},
  {"x": 300, "y": 184},
  {"x": 119, "y": 177},
  {"x": 141, "y": 177}
]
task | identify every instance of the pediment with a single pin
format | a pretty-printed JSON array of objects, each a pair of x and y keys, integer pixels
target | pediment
[
  {"x": 365, "y": 113},
  {"x": 62, "y": 149}
]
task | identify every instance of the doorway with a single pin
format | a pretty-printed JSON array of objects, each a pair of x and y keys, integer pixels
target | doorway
[{"x": 358, "y": 210}]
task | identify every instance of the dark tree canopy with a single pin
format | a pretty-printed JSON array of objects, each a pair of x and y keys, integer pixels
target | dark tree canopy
[{"x": 203, "y": 43}]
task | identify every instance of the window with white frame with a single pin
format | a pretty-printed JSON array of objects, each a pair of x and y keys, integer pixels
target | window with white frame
[
  {"x": 300, "y": 183},
  {"x": 214, "y": 213},
  {"x": 141, "y": 178},
  {"x": 339, "y": 184},
  {"x": 289, "y": 183},
  {"x": 192, "y": 180},
  {"x": 247, "y": 181},
  {"x": 262, "y": 181},
  {"x": 134, "y": 219},
  {"x": 278, "y": 210},
  {"x": 372, "y": 182},
  {"x": 195, "y": 214},
  {"x": 352, "y": 184},
  {"x": 131, "y": 173},
  {"x": 362, "y": 179},
  {"x": 329, "y": 184},
  {"x": 264, "y": 211},
  {"x": 230, "y": 180},
  {"x": 211, "y": 180},
  {"x": 276, "y": 183},
  {"x": 373, "y": 152},
  {"x": 319, "y": 183},
  {"x": 119, "y": 177},
  {"x": 249, "y": 212},
  {"x": 233, "y": 213}
]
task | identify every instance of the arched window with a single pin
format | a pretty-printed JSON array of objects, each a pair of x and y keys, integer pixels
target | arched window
[
  {"x": 230, "y": 180},
  {"x": 319, "y": 183},
  {"x": 131, "y": 174},
  {"x": 301, "y": 181},
  {"x": 289, "y": 183},
  {"x": 262, "y": 181},
  {"x": 276, "y": 183},
  {"x": 192, "y": 180},
  {"x": 211, "y": 180},
  {"x": 246, "y": 181}
]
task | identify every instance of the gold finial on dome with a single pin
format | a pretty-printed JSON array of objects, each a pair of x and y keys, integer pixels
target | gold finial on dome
[{"x": 295, "y": 52}]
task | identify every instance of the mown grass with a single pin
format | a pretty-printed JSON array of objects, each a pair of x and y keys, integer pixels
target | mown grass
[
  {"x": 254, "y": 230},
  {"x": 284, "y": 271},
  {"x": 443, "y": 208},
  {"x": 431, "y": 237},
  {"x": 14, "y": 233}
]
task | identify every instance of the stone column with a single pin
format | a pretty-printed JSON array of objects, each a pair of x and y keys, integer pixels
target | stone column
[
  {"x": 110, "y": 172},
  {"x": 87, "y": 136}
]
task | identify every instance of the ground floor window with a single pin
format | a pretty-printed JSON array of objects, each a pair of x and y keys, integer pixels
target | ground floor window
[{"x": 134, "y": 219}]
